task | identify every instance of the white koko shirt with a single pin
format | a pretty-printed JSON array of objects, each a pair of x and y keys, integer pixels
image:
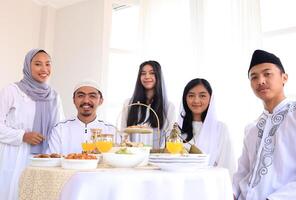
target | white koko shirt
[
  {"x": 67, "y": 136},
  {"x": 267, "y": 167},
  {"x": 223, "y": 154}
]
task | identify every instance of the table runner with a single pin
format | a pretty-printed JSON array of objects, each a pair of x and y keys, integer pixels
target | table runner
[
  {"x": 43, "y": 183},
  {"x": 47, "y": 182}
]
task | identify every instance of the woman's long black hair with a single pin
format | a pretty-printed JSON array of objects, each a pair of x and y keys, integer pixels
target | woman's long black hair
[
  {"x": 137, "y": 114},
  {"x": 187, "y": 116}
]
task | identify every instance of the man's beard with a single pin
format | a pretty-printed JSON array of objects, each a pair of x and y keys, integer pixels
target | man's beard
[{"x": 86, "y": 114}]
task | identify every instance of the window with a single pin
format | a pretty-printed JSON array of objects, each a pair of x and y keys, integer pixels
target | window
[
  {"x": 123, "y": 65},
  {"x": 279, "y": 35}
]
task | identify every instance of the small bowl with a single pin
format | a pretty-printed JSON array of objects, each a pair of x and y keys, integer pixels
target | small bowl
[
  {"x": 79, "y": 164},
  {"x": 123, "y": 160}
]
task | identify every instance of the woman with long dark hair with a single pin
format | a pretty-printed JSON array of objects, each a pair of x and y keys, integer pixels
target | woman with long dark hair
[
  {"x": 200, "y": 127},
  {"x": 149, "y": 90},
  {"x": 28, "y": 111}
]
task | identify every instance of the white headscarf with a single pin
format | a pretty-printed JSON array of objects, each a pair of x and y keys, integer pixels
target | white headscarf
[
  {"x": 210, "y": 133},
  {"x": 46, "y": 113}
]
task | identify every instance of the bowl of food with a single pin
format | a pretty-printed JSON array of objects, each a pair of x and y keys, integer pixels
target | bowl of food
[
  {"x": 143, "y": 150},
  {"x": 124, "y": 158},
  {"x": 80, "y": 161},
  {"x": 46, "y": 160}
]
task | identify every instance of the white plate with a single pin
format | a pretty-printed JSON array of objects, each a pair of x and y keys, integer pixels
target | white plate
[
  {"x": 185, "y": 167},
  {"x": 185, "y": 158},
  {"x": 138, "y": 130},
  {"x": 45, "y": 162},
  {"x": 79, "y": 164},
  {"x": 170, "y": 157},
  {"x": 178, "y": 161},
  {"x": 177, "y": 156}
]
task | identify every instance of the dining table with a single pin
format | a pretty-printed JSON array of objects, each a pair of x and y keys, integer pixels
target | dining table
[{"x": 139, "y": 183}]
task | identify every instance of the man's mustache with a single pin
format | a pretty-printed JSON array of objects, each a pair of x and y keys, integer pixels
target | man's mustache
[{"x": 86, "y": 104}]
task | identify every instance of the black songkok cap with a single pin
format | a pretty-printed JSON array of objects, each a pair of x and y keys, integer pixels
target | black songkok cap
[{"x": 260, "y": 56}]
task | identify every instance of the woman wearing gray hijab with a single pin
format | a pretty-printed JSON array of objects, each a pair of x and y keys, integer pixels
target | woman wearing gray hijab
[{"x": 28, "y": 111}]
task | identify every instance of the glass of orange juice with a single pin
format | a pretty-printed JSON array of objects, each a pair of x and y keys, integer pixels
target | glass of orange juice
[
  {"x": 88, "y": 146},
  {"x": 104, "y": 142},
  {"x": 174, "y": 146}
]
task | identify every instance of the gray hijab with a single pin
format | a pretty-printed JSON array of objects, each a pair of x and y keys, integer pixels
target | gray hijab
[{"x": 46, "y": 112}]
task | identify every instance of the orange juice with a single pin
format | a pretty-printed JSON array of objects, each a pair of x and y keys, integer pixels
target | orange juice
[
  {"x": 104, "y": 146},
  {"x": 88, "y": 147},
  {"x": 174, "y": 147}
]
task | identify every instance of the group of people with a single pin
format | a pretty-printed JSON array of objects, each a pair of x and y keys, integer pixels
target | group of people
[{"x": 32, "y": 122}]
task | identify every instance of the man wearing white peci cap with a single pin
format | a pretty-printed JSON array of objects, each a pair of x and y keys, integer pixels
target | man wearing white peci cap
[{"x": 67, "y": 136}]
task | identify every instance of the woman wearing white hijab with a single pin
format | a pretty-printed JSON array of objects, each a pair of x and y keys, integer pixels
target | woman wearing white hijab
[
  {"x": 28, "y": 110},
  {"x": 200, "y": 126}
]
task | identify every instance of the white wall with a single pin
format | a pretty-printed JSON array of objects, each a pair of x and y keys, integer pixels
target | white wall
[
  {"x": 20, "y": 26},
  {"x": 72, "y": 35},
  {"x": 77, "y": 48}
]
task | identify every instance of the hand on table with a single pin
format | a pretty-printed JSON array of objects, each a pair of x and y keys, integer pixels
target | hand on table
[{"x": 33, "y": 138}]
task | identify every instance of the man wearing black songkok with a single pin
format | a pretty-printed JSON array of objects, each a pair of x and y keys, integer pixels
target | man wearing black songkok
[
  {"x": 267, "y": 167},
  {"x": 260, "y": 56}
]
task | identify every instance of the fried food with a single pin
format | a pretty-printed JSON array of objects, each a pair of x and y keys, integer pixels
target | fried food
[
  {"x": 53, "y": 155},
  {"x": 42, "y": 156},
  {"x": 81, "y": 156}
]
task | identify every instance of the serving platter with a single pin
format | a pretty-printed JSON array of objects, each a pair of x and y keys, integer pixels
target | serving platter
[{"x": 139, "y": 130}]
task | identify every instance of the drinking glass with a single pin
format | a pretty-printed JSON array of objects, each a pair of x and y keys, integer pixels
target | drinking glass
[
  {"x": 104, "y": 142},
  {"x": 174, "y": 145},
  {"x": 88, "y": 146}
]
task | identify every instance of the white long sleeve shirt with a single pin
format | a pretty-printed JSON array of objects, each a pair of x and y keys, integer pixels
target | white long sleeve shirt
[
  {"x": 17, "y": 112},
  {"x": 67, "y": 136},
  {"x": 267, "y": 167},
  {"x": 224, "y": 154}
]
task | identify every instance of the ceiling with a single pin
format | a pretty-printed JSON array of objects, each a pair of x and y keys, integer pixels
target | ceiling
[
  {"x": 57, "y": 3},
  {"x": 116, "y": 4}
]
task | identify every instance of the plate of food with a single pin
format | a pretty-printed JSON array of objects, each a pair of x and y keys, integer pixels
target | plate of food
[
  {"x": 46, "y": 160},
  {"x": 142, "y": 129},
  {"x": 80, "y": 161}
]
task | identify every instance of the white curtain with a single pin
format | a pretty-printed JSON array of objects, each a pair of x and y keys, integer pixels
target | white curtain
[{"x": 209, "y": 39}]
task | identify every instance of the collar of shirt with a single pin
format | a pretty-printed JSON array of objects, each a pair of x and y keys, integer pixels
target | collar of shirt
[
  {"x": 277, "y": 108},
  {"x": 89, "y": 124}
]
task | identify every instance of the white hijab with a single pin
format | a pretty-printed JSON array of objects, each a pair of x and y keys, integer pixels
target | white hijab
[{"x": 209, "y": 135}]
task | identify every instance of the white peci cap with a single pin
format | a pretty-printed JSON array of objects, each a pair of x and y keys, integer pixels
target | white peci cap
[{"x": 87, "y": 82}]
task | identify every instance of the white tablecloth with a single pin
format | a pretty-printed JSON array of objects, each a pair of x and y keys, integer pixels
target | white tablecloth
[{"x": 120, "y": 184}]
